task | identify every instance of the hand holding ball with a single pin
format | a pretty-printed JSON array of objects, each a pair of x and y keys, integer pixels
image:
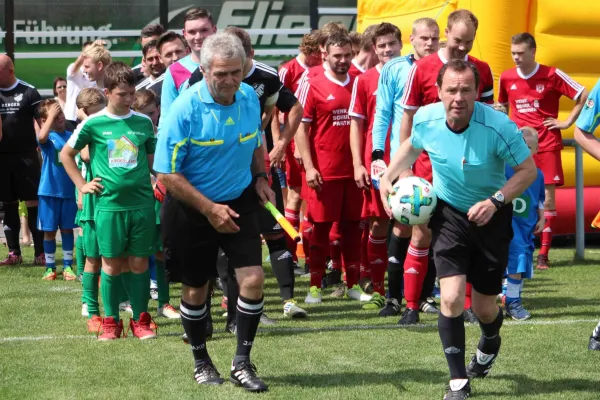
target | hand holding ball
[{"x": 413, "y": 201}]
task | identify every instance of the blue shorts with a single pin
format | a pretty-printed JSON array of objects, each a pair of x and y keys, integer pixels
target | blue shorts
[
  {"x": 520, "y": 263},
  {"x": 54, "y": 212}
]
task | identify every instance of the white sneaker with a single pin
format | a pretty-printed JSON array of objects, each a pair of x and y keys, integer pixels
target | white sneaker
[
  {"x": 126, "y": 306},
  {"x": 314, "y": 296},
  {"x": 84, "y": 310},
  {"x": 357, "y": 293},
  {"x": 154, "y": 294},
  {"x": 168, "y": 311},
  {"x": 290, "y": 309}
]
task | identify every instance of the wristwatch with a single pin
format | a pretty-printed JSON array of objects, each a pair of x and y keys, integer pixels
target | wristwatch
[
  {"x": 498, "y": 200},
  {"x": 261, "y": 175}
]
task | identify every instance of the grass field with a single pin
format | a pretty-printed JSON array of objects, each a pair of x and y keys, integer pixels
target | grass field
[{"x": 338, "y": 352}]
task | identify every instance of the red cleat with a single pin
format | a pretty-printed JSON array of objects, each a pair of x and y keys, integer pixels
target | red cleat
[
  {"x": 12, "y": 259},
  {"x": 111, "y": 329},
  {"x": 143, "y": 327}
]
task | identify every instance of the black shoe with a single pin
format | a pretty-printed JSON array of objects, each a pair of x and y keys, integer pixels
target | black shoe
[
  {"x": 409, "y": 317},
  {"x": 207, "y": 374},
  {"x": 470, "y": 316},
  {"x": 231, "y": 327},
  {"x": 477, "y": 370},
  {"x": 244, "y": 374},
  {"x": 366, "y": 285},
  {"x": 594, "y": 343},
  {"x": 333, "y": 278},
  {"x": 391, "y": 308},
  {"x": 461, "y": 394},
  {"x": 429, "y": 306}
]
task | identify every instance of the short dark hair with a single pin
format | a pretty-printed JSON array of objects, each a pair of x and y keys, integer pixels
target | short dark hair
[
  {"x": 56, "y": 80},
  {"x": 384, "y": 29},
  {"x": 338, "y": 39},
  {"x": 152, "y": 30},
  {"x": 526, "y": 38},
  {"x": 118, "y": 73},
  {"x": 198, "y": 13},
  {"x": 458, "y": 66},
  {"x": 144, "y": 98},
  {"x": 243, "y": 36},
  {"x": 168, "y": 37},
  {"x": 149, "y": 46}
]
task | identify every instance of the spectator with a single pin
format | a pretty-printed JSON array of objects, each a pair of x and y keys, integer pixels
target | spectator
[
  {"x": 149, "y": 33},
  {"x": 95, "y": 60},
  {"x": 77, "y": 80},
  {"x": 60, "y": 91}
]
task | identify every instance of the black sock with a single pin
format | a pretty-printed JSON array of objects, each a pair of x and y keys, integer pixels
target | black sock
[
  {"x": 12, "y": 227},
  {"x": 489, "y": 343},
  {"x": 429, "y": 281},
  {"x": 452, "y": 334},
  {"x": 37, "y": 235},
  {"x": 233, "y": 291},
  {"x": 396, "y": 256},
  {"x": 283, "y": 267},
  {"x": 193, "y": 319},
  {"x": 248, "y": 318}
]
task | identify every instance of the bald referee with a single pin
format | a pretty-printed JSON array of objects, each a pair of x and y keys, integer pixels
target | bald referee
[
  {"x": 469, "y": 144},
  {"x": 210, "y": 157}
]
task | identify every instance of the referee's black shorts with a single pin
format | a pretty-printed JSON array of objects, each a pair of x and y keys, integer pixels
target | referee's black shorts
[
  {"x": 191, "y": 244},
  {"x": 19, "y": 176},
  {"x": 460, "y": 247}
]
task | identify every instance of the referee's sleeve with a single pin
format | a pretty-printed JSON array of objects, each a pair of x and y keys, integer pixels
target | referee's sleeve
[
  {"x": 173, "y": 140},
  {"x": 511, "y": 145},
  {"x": 589, "y": 119},
  {"x": 415, "y": 138}
]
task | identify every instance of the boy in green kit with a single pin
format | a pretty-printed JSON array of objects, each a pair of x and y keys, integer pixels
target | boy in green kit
[{"x": 121, "y": 146}]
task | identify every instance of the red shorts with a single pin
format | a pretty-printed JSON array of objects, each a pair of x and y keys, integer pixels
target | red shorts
[
  {"x": 372, "y": 206},
  {"x": 304, "y": 191},
  {"x": 550, "y": 163},
  {"x": 422, "y": 168},
  {"x": 338, "y": 200},
  {"x": 293, "y": 169}
]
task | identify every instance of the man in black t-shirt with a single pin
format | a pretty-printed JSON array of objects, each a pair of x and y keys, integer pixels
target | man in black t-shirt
[
  {"x": 156, "y": 69},
  {"x": 19, "y": 162}
]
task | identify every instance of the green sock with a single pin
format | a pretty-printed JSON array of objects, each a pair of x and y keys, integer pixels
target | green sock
[
  {"x": 110, "y": 294},
  {"x": 125, "y": 286},
  {"x": 161, "y": 282},
  {"x": 139, "y": 294},
  {"x": 79, "y": 255},
  {"x": 90, "y": 293}
]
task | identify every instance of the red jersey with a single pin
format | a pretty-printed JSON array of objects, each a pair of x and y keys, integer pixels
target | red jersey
[
  {"x": 291, "y": 72},
  {"x": 421, "y": 86},
  {"x": 355, "y": 69},
  {"x": 317, "y": 70},
  {"x": 326, "y": 102},
  {"x": 364, "y": 100},
  {"x": 535, "y": 97}
]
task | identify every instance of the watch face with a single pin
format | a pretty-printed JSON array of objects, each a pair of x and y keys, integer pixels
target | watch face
[{"x": 499, "y": 196}]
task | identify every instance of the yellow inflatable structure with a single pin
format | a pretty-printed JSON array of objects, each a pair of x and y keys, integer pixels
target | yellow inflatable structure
[{"x": 567, "y": 36}]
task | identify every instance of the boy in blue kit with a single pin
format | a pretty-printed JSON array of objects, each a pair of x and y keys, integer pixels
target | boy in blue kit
[
  {"x": 528, "y": 219},
  {"x": 57, "y": 205}
]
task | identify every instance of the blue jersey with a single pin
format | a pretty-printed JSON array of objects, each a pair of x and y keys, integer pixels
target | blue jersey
[
  {"x": 389, "y": 93},
  {"x": 173, "y": 83},
  {"x": 54, "y": 181},
  {"x": 590, "y": 114},
  {"x": 468, "y": 166},
  {"x": 525, "y": 213}
]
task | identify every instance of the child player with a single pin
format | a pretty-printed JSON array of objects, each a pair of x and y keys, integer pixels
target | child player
[
  {"x": 121, "y": 146},
  {"x": 57, "y": 206}
]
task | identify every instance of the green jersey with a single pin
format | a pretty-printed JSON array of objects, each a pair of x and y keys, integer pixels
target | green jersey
[{"x": 119, "y": 147}]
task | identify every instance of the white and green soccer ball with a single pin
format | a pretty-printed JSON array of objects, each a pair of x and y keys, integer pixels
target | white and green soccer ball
[{"x": 413, "y": 202}]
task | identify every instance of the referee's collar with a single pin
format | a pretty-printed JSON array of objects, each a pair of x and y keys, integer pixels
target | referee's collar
[{"x": 207, "y": 98}]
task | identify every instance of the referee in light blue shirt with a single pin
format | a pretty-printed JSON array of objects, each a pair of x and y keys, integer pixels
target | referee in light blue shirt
[
  {"x": 210, "y": 157},
  {"x": 469, "y": 144}
]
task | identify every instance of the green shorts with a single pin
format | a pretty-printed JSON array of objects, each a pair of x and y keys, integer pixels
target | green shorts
[
  {"x": 90, "y": 239},
  {"x": 126, "y": 233}
]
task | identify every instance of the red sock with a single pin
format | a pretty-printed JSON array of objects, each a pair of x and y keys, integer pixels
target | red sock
[
  {"x": 318, "y": 252},
  {"x": 365, "y": 265},
  {"x": 547, "y": 232},
  {"x": 293, "y": 218},
  {"x": 307, "y": 229},
  {"x": 350, "y": 231},
  {"x": 468, "y": 291},
  {"x": 335, "y": 246},
  {"x": 415, "y": 268},
  {"x": 377, "y": 253}
]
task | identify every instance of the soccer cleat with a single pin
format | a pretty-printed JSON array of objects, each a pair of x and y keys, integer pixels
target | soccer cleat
[
  {"x": 366, "y": 285},
  {"x": 357, "y": 293},
  {"x": 594, "y": 343},
  {"x": 333, "y": 278},
  {"x": 244, "y": 375},
  {"x": 126, "y": 306},
  {"x": 429, "y": 307},
  {"x": 290, "y": 309},
  {"x": 49, "y": 275},
  {"x": 298, "y": 270},
  {"x": 68, "y": 274},
  {"x": 409, "y": 317},
  {"x": 141, "y": 328},
  {"x": 339, "y": 291},
  {"x": 376, "y": 302},
  {"x": 231, "y": 327},
  {"x": 40, "y": 260},
  {"x": 111, "y": 329},
  {"x": 84, "y": 310},
  {"x": 542, "y": 262},
  {"x": 470, "y": 317},
  {"x": 517, "y": 312},
  {"x": 207, "y": 374},
  {"x": 455, "y": 392},
  {"x": 390, "y": 309},
  {"x": 12, "y": 259},
  {"x": 154, "y": 294},
  {"x": 314, "y": 295},
  {"x": 265, "y": 320},
  {"x": 168, "y": 311},
  {"x": 94, "y": 324},
  {"x": 480, "y": 364}
]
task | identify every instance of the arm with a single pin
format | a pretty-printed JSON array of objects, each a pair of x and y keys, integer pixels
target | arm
[
  {"x": 525, "y": 174},
  {"x": 76, "y": 68},
  {"x": 281, "y": 143},
  {"x": 182, "y": 189},
  {"x": 383, "y": 111},
  {"x": 85, "y": 154},
  {"x": 67, "y": 158},
  {"x": 361, "y": 177},
  {"x": 266, "y": 117},
  {"x": 566, "y": 86},
  {"x": 44, "y": 131},
  {"x": 168, "y": 95},
  {"x": 588, "y": 142}
]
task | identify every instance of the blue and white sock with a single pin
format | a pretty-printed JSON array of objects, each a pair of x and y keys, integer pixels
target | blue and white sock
[
  {"x": 513, "y": 290},
  {"x": 68, "y": 242},
  {"x": 50, "y": 253}
]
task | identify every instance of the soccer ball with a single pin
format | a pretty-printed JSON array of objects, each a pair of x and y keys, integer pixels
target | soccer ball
[{"x": 414, "y": 201}]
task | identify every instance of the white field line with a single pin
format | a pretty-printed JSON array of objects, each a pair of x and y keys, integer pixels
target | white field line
[{"x": 315, "y": 330}]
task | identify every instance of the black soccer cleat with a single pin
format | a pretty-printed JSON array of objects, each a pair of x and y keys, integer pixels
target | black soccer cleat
[
  {"x": 244, "y": 375},
  {"x": 594, "y": 343},
  {"x": 207, "y": 374},
  {"x": 409, "y": 317},
  {"x": 480, "y": 365},
  {"x": 470, "y": 316},
  {"x": 333, "y": 278},
  {"x": 390, "y": 309},
  {"x": 460, "y": 394},
  {"x": 231, "y": 327}
]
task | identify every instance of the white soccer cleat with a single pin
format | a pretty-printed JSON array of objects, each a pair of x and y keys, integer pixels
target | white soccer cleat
[
  {"x": 168, "y": 311},
  {"x": 356, "y": 293},
  {"x": 290, "y": 309},
  {"x": 126, "y": 306},
  {"x": 84, "y": 310},
  {"x": 314, "y": 296}
]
